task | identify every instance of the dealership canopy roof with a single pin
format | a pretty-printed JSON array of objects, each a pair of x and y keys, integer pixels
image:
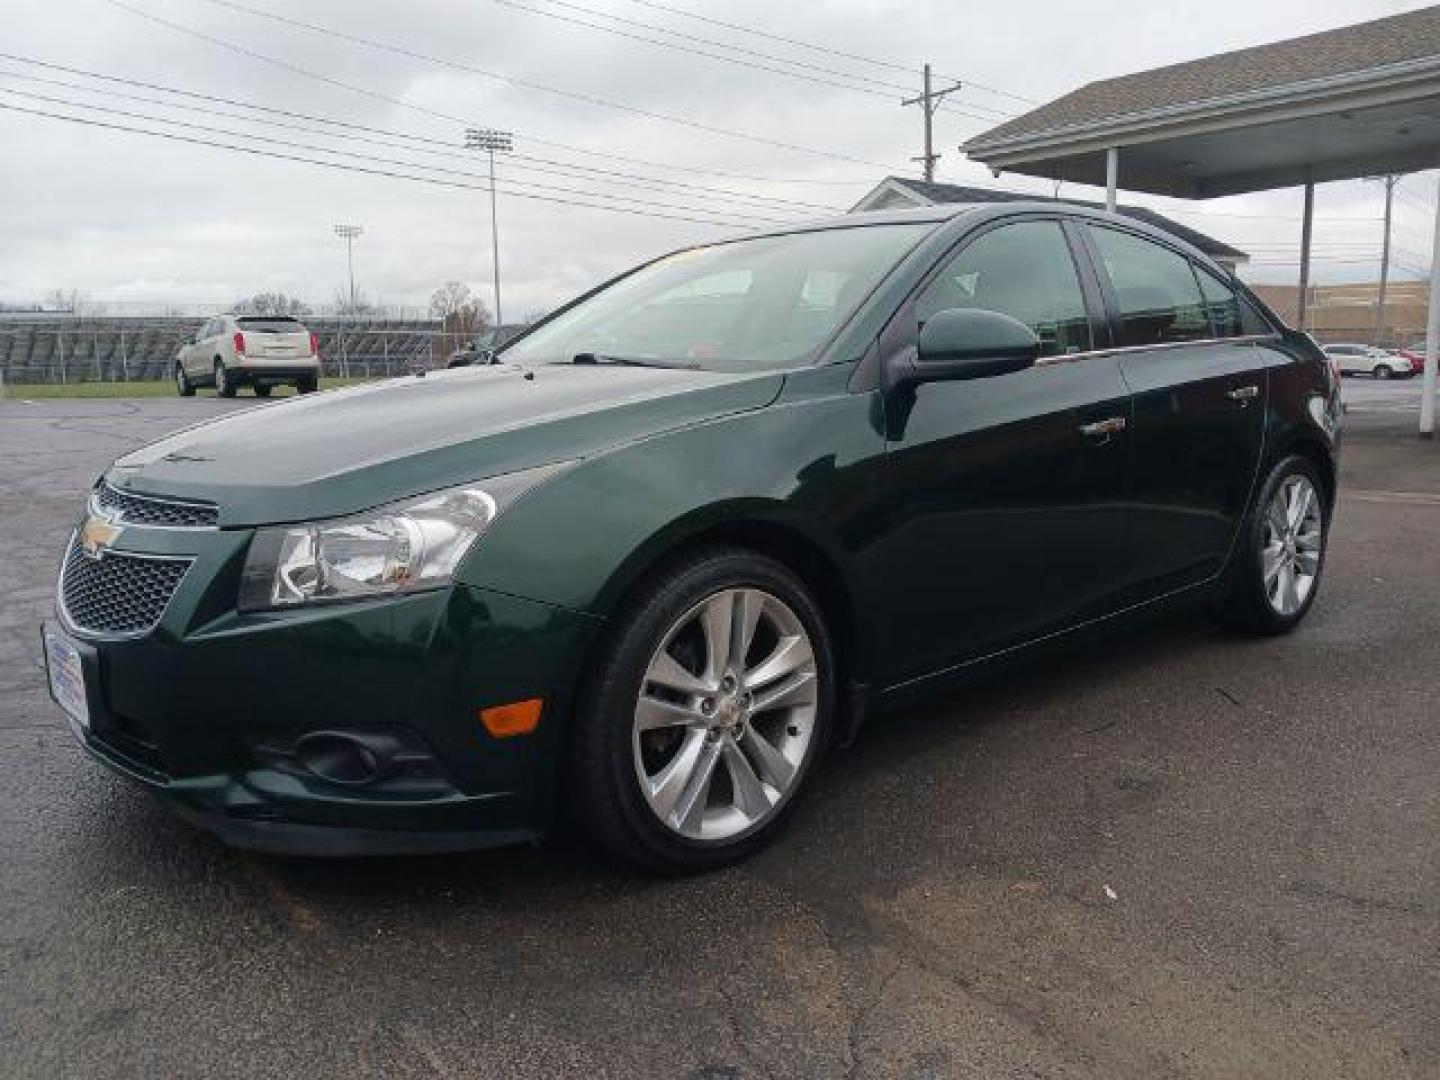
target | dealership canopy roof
[{"x": 1362, "y": 100}]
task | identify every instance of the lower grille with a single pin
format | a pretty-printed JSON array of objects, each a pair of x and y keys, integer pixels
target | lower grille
[{"x": 117, "y": 594}]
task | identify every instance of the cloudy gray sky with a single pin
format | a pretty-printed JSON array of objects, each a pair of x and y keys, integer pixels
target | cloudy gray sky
[{"x": 133, "y": 219}]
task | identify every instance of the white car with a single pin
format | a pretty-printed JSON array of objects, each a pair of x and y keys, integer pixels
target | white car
[
  {"x": 259, "y": 351},
  {"x": 1367, "y": 360}
]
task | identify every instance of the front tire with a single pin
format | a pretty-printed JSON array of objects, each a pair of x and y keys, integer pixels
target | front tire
[
  {"x": 261, "y": 389},
  {"x": 308, "y": 386},
  {"x": 704, "y": 714},
  {"x": 1383, "y": 371},
  {"x": 224, "y": 386},
  {"x": 183, "y": 385},
  {"x": 1280, "y": 552}
]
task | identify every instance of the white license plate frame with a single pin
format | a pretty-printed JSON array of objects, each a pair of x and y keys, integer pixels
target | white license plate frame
[{"x": 66, "y": 670}]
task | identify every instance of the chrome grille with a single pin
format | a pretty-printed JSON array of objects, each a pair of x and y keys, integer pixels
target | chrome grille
[
  {"x": 130, "y": 509},
  {"x": 117, "y": 594}
]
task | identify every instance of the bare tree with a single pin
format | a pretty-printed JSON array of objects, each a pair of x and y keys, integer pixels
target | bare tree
[
  {"x": 462, "y": 315},
  {"x": 345, "y": 308},
  {"x": 273, "y": 303},
  {"x": 72, "y": 302}
]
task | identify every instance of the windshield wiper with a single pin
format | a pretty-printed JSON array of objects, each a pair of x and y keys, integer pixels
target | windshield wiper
[{"x": 631, "y": 361}]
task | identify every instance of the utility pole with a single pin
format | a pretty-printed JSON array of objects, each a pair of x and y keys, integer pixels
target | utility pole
[
  {"x": 490, "y": 140},
  {"x": 929, "y": 101},
  {"x": 348, "y": 233},
  {"x": 1390, "y": 182}
]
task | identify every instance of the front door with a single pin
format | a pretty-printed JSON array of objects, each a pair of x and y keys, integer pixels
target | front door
[
  {"x": 1006, "y": 494},
  {"x": 1189, "y": 353}
]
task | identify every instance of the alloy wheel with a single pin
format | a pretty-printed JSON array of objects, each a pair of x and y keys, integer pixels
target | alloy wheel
[
  {"x": 726, "y": 715},
  {"x": 1294, "y": 538}
]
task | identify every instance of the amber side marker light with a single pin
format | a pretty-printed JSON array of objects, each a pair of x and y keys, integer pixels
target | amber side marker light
[{"x": 516, "y": 718}]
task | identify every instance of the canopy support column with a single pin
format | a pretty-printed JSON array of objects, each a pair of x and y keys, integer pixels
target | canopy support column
[
  {"x": 1432, "y": 338},
  {"x": 1112, "y": 176},
  {"x": 1307, "y": 226}
]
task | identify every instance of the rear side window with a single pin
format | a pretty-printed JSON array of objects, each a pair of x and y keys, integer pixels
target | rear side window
[
  {"x": 1231, "y": 315},
  {"x": 1024, "y": 271},
  {"x": 1158, "y": 297},
  {"x": 267, "y": 325}
]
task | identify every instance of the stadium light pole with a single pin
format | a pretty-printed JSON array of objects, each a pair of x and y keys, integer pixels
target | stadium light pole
[
  {"x": 348, "y": 233},
  {"x": 490, "y": 140}
]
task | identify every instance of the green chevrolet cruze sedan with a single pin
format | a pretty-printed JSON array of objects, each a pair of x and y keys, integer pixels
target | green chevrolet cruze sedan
[{"x": 681, "y": 536}]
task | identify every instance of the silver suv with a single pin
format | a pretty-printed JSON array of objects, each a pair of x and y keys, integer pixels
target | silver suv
[{"x": 259, "y": 351}]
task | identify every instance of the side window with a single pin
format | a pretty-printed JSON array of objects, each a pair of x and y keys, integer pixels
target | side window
[
  {"x": 1231, "y": 315},
  {"x": 1221, "y": 305},
  {"x": 1155, "y": 289},
  {"x": 1024, "y": 271},
  {"x": 1251, "y": 321}
]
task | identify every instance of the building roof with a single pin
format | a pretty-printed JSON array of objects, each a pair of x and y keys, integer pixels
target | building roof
[
  {"x": 929, "y": 193},
  {"x": 1366, "y": 46}
]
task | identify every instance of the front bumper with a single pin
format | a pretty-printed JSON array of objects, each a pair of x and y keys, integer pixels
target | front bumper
[{"x": 214, "y": 715}]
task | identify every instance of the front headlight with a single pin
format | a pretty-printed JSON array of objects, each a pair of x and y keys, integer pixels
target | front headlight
[{"x": 402, "y": 548}]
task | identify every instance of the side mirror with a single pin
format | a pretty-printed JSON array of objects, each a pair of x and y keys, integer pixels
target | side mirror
[{"x": 967, "y": 343}]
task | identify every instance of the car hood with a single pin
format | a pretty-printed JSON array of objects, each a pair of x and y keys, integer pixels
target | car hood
[{"x": 343, "y": 451}]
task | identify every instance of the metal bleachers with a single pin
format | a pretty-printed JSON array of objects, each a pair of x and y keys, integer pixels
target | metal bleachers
[{"x": 43, "y": 348}]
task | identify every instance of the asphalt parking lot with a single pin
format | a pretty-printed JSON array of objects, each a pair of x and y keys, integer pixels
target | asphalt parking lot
[{"x": 1163, "y": 853}]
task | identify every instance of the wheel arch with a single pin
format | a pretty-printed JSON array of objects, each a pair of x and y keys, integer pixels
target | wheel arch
[
  {"x": 768, "y": 530},
  {"x": 1315, "y": 452}
]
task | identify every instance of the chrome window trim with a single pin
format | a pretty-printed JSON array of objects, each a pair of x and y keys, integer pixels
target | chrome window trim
[
  {"x": 92, "y": 505},
  {"x": 1247, "y": 339},
  {"x": 75, "y": 630}
]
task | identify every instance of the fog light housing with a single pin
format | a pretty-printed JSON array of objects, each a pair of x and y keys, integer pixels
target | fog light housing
[
  {"x": 393, "y": 761},
  {"x": 339, "y": 758}
]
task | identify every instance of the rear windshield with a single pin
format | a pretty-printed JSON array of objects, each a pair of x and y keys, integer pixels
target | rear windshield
[{"x": 269, "y": 325}]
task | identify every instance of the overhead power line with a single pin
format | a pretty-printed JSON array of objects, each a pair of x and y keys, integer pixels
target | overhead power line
[
  {"x": 749, "y": 58},
  {"x": 423, "y": 145},
  {"x": 432, "y": 113},
  {"x": 455, "y": 65},
  {"x": 314, "y": 148},
  {"x": 367, "y": 170},
  {"x": 893, "y": 65}
]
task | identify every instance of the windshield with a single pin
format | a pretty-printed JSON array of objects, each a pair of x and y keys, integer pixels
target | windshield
[{"x": 769, "y": 302}]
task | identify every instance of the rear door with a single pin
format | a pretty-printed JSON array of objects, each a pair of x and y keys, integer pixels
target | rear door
[
  {"x": 1200, "y": 390},
  {"x": 1005, "y": 508},
  {"x": 195, "y": 358}
]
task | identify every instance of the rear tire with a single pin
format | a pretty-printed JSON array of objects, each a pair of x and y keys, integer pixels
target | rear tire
[
  {"x": 687, "y": 757},
  {"x": 261, "y": 389},
  {"x": 224, "y": 387},
  {"x": 307, "y": 386},
  {"x": 1279, "y": 555},
  {"x": 1383, "y": 371},
  {"x": 183, "y": 385}
]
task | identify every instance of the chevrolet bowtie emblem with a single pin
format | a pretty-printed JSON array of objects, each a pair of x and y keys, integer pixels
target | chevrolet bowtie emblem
[{"x": 97, "y": 534}]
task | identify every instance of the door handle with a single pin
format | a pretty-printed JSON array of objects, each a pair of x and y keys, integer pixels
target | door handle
[
  {"x": 1103, "y": 429},
  {"x": 1243, "y": 395}
]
